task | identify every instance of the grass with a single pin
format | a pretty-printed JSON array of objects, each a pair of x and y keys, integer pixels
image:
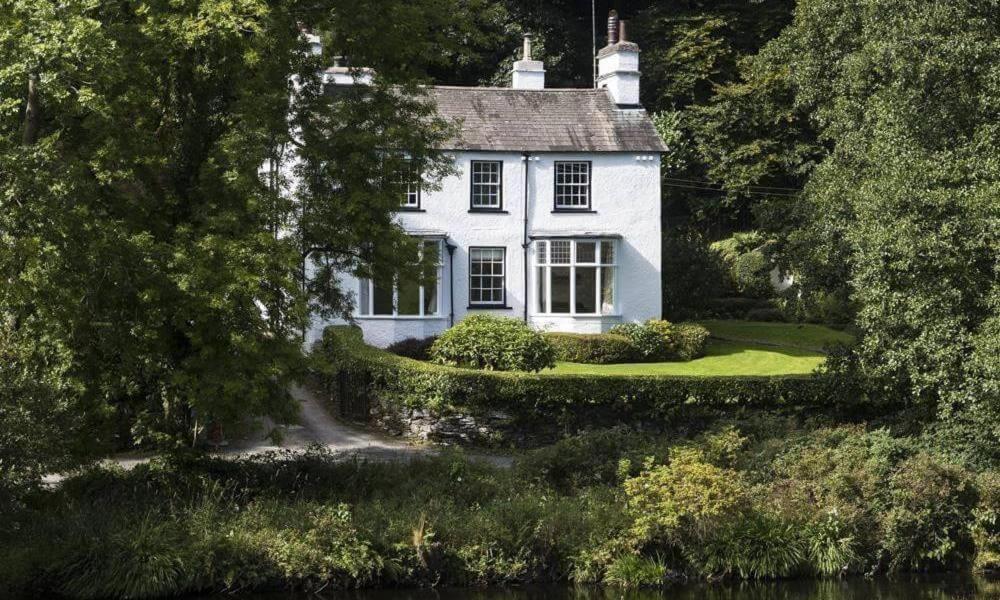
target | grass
[
  {"x": 722, "y": 358},
  {"x": 791, "y": 335},
  {"x": 737, "y": 348}
]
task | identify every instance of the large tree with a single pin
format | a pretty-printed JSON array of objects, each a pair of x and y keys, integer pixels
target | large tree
[
  {"x": 905, "y": 212},
  {"x": 140, "y": 238}
]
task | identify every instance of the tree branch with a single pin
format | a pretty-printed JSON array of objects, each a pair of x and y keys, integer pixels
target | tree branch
[{"x": 31, "y": 112}]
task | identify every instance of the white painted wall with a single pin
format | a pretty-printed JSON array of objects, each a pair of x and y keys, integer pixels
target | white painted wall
[{"x": 625, "y": 199}]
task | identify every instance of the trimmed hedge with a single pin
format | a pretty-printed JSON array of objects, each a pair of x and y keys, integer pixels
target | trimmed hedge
[
  {"x": 592, "y": 348},
  {"x": 415, "y": 348},
  {"x": 566, "y": 401}
]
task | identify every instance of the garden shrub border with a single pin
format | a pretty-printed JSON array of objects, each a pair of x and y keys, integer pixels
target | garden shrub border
[{"x": 503, "y": 407}]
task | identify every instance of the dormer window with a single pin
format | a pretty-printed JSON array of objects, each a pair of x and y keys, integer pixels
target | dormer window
[
  {"x": 487, "y": 185},
  {"x": 572, "y": 185},
  {"x": 408, "y": 182}
]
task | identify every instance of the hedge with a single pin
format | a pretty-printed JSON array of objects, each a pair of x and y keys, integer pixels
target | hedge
[
  {"x": 592, "y": 348},
  {"x": 566, "y": 401}
]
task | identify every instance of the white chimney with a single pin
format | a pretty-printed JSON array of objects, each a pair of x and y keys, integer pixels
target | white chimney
[
  {"x": 528, "y": 74},
  {"x": 618, "y": 65}
]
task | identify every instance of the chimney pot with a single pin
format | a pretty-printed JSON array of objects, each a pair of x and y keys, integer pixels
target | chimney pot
[
  {"x": 613, "y": 27},
  {"x": 623, "y": 31},
  {"x": 527, "y": 47}
]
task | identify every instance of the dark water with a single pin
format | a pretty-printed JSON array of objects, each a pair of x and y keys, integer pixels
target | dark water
[{"x": 906, "y": 588}]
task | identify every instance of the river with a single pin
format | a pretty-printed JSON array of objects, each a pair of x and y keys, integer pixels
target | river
[{"x": 952, "y": 587}]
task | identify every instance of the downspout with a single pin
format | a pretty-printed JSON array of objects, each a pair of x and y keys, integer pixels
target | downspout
[
  {"x": 451, "y": 283},
  {"x": 526, "y": 156}
]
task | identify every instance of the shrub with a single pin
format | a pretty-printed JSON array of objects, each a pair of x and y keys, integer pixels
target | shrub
[
  {"x": 689, "y": 340},
  {"x": 986, "y": 528},
  {"x": 494, "y": 344},
  {"x": 691, "y": 273},
  {"x": 415, "y": 348},
  {"x": 631, "y": 571},
  {"x": 649, "y": 342},
  {"x": 592, "y": 348},
  {"x": 927, "y": 526}
]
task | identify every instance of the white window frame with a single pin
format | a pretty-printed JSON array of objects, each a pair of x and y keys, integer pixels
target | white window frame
[
  {"x": 496, "y": 170},
  {"x": 543, "y": 269},
  {"x": 579, "y": 189},
  {"x": 503, "y": 277},
  {"x": 368, "y": 285},
  {"x": 409, "y": 181}
]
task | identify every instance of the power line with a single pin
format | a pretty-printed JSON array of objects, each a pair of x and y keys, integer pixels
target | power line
[
  {"x": 710, "y": 189},
  {"x": 709, "y": 183}
]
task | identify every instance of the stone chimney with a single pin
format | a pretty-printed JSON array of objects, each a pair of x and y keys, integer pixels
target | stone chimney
[
  {"x": 528, "y": 74},
  {"x": 618, "y": 65}
]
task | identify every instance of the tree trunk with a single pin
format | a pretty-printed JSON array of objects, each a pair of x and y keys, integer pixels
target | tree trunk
[{"x": 31, "y": 112}]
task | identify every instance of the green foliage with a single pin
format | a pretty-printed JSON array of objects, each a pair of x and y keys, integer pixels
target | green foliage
[
  {"x": 592, "y": 348},
  {"x": 927, "y": 525},
  {"x": 138, "y": 234},
  {"x": 901, "y": 217},
  {"x": 657, "y": 340},
  {"x": 691, "y": 272},
  {"x": 748, "y": 263},
  {"x": 494, "y": 344},
  {"x": 415, "y": 348},
  {"x": 542, "y": 402},
  {"x": 650, "y": 343},
  {"x": 632, "y": 571}
]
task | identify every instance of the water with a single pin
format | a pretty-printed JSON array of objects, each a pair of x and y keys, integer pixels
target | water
[{"x": 904, "y": 588}]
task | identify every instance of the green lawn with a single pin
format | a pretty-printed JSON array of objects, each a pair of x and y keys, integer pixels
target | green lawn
[
  {"x": 793, "y": 335},
  {"x": 737, "y": 348},
  {"x": 722, "y": 358}
]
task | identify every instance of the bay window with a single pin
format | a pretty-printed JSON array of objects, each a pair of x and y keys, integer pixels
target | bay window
[
  {"x": 575, "y": 277},
  {"x": 398, "y": 297}
]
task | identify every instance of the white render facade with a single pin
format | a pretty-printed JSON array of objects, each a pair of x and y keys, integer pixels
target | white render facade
[{"x": 557, "y": 224}]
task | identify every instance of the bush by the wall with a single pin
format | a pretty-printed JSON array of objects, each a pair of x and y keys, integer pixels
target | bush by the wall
[
  {"x": 649, "y": 340},
  {"x": 592, "y": 348},
  {"x": 657, "y": 339},
  {"x": 415, "y": 348},
  {"x": 494, "y": 344}
]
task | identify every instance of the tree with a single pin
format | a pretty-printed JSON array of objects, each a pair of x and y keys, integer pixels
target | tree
[
  {"x": 905, "y": 211},
  {"x": 139, "y": 237}
]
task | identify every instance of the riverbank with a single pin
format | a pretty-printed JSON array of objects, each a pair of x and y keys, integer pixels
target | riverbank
[{"x": 757, "y": 497}]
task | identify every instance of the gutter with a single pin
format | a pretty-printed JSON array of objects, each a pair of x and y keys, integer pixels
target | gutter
[
  {"x": 525, "y": 242},
  {"x": 451, "y": 282}
]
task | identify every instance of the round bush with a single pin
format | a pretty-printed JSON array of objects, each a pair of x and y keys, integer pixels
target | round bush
[
  {"x": 592, "y": 348},
  {"x": 689, "y": 340},
  {"x": 495, "y": 344}
]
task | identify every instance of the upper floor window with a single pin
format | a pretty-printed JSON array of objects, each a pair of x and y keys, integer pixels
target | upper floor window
[
  {"x": 572, "y": 185},
  {"x": 487, "y": 277},
  {"x": 404, "y": 297},
  {"x": 487, "y": 186},
  {"x": 576, "y": 277},
  {"x": 408, "y": 182}
]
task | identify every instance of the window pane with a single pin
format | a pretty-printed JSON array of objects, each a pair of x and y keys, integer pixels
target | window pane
[
  {"x": 364, "y": 298},
  {"x": 432, "y": 251},
  {"x": 586, "y": 252},
  {"x": 572, "y": 185},
  {"x": 382, "y": 298},
  {"x": 430, "y": 298},
  {"x": 542, "y": 303},
  {"x": 560, "y": 252},
  {"x": 607, "y": 290},
  {"x": 409, "y": 297},
  {"x": 486, "y": 184},
  {"x": 408, "y": 182},
  {"x": 541, "y": 256},
  {"x": 607, "y": 253},
  {"x": 586, "y": 290},
  {"x": 560, "y": 289},
  {"x": 486, "y": 275}
]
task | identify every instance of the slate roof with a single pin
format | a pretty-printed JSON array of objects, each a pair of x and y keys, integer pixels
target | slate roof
[{"x": 549, "y": 120}]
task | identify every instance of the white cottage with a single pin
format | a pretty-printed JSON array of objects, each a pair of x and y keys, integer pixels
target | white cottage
[{"x": 553, "y": 216}]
